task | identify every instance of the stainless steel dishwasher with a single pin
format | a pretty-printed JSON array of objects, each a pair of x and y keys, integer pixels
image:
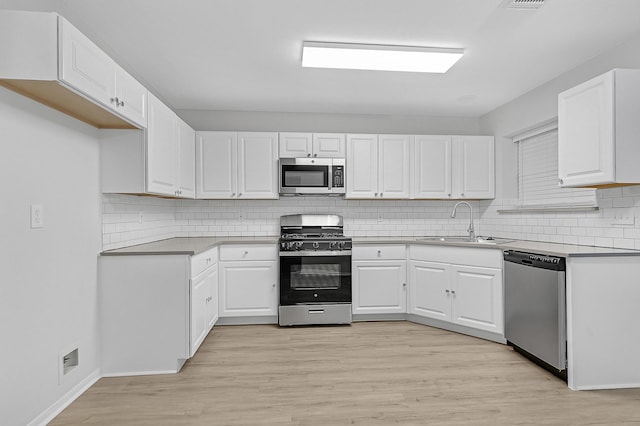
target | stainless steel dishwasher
[{"x": 535, "y": 308}]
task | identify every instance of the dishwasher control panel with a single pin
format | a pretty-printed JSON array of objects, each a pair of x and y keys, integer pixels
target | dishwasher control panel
[{"x": 535, "y": 260}]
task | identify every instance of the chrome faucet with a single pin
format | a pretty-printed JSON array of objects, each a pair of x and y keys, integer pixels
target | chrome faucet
[{"x": 470, "y": 229}]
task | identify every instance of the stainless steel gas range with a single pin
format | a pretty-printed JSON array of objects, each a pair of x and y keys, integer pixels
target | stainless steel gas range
[{"x": 315, "y": 270}]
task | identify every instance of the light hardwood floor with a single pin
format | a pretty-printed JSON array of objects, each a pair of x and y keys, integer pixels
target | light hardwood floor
[{"x": 376, "y": 373}]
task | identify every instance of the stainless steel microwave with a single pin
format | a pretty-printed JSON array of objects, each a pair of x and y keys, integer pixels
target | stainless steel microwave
[{"x": 312, "y": 176}]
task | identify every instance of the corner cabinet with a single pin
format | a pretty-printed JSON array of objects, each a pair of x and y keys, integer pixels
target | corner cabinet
[
  {"x": 460, "y": 286},
  {"x": 159, "y": 160},
  {"x": 598, "y": 131},
  {"x": 49, "y": 60},
  {"x": 379, "y": 283},
  {"x": 236, "y": 165},
  {"x": 453, "y": 167},
  {"x": 377, "y": 166},
  {"x": 327, "y": 145}
]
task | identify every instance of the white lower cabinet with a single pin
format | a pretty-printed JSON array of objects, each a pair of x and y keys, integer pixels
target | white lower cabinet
[
  {"x": 204, "y": 296},
  {"x": 248, "y": 281},
  {"x": 379, "y": 280},
  {"x": 458, "y": 285}
]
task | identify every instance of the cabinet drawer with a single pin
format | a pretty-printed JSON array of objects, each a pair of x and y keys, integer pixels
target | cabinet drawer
[
  {"x": 248, "y": 252},
  {"x": 381, "y": 252},
  {"x": 202, "y": 261},
  {"x": 484, "y": 257}
]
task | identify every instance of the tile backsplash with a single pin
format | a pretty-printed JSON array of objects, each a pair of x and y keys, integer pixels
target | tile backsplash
[
  {"x": 129, "y": 219},
  {"x": 166, "y": 218}
]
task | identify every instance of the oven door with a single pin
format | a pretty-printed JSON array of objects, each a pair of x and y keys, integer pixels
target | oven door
[
  {"x": 314, "y": 278},
  {"x": 305, "y": 176}
]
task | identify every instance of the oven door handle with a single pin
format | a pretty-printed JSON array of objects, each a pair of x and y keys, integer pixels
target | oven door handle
[{"x": 345, "y": 253}]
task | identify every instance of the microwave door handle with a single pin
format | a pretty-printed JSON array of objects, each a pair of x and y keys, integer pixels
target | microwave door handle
[{"x": 330, "y": 177}]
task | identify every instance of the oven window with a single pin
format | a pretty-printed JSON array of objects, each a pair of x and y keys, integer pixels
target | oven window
[
  {"x": 315, "y": 276},
  {"x": 305, "y": 176}
]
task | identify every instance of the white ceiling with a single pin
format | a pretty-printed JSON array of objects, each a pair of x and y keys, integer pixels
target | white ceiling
[{"x": 245, "y": 54}]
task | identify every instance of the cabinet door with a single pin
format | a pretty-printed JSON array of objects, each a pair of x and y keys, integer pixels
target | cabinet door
[
  {"x": 199, "y": 301},
  {"x": 362, "y": 166},
  {"x": 85, "y": 67},
  {"x": 248, "y": 288},
  {"x": 586, "y": 133},
  {"x": 429, "y": 289},
  {"x": 393, "y": 166},
  {"x": 257, "y": 165},
  {"x": 131, "y": 98},
  {"x": 294, "y": 145},
  {"x": 216, "y": 164},
  {"x": 477, "y": 297},
  {"x": 474, "y": 169},
  {"x": 331, "y": 145},
  {"x": 186, "y": 160},
  {"x": 379, "y": 287},
  {"x": 431, "y": 167},
  {"x": 161, "y": 148}
]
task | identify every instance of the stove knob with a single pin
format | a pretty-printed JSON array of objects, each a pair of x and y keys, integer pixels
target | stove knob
[
  {"x": 298, "y": 245},
  {"x": 316, "y": 245},
  {"x": 341, "y": 245},
  {"x": 289, "y": 245},
  {"x": 332, "y": 245}
]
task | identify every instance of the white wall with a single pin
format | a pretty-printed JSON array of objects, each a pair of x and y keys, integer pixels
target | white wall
[
  {"x": 48, "y": 276},
  {"x": 530, "y": 109},
  {"x": 340, "y": 123}
]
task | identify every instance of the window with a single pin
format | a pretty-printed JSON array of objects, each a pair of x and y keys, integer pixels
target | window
[{"x": 538, "y": 174}]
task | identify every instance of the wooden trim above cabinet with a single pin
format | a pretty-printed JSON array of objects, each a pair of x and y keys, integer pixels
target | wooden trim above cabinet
[{"x": 61, "y": 98}]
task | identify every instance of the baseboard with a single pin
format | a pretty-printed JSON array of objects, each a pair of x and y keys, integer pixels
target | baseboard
[
  {"x": 247, "y": 320},
  {"x": 482, "y": 334},
  {"x": 57, "y": 407}
]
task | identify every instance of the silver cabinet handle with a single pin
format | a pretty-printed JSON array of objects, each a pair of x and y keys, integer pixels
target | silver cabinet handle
[
  {"x": 447, "y": 291},
  {"x": 239, "y": 194},
  {"x": 381, "y": 194},
  {"x": 309, "y": 155},
  {"x": 273, "y": 285},
  {"x": 114, "y": 100},
  {"x": 462, "y": 195},
  {"x": 233, "y": 194},
  {"x": 449, "y": 195},
  {"x": 561, "y": 181},
  {"x": 315, "y": 155},
  {"x": 453, "y": 292},
  {"x": 379, "y": 252},
  {"x": 121, "y": 103},
  {"x": 404, "y": 284},
  {"x": 375, "y": 195}
]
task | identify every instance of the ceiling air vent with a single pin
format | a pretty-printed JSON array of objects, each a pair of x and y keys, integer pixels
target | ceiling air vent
[{"x": 522, "y": 4}]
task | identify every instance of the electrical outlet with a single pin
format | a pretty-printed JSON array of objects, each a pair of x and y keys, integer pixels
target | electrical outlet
[
  {"x": 380, "y": 218},
  {"x": 140, "y": 217},
  {"x": 623, "y": 221},
  {"x": 37, "y": 216}
]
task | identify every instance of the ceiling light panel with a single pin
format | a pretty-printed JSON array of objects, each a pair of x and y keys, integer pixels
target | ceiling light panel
[{"x": 379, "y": 57}]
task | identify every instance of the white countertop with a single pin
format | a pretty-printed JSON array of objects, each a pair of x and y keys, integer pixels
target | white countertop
[{"x": 195, "y": 245}]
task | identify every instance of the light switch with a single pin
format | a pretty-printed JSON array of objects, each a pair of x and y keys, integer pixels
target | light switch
[{"x": 37, "y": 216}]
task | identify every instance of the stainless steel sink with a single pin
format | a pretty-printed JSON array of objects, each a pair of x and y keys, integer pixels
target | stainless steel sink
[{"x": 466, "y": 239}]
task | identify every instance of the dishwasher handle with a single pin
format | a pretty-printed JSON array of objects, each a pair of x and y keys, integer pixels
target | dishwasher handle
[{"x": 535, "y": 260}]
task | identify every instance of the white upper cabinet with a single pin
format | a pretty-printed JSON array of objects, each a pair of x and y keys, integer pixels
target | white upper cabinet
[
  {"x": 161, "y": 149},
  {"x": 328, "y": 145},
  {"x": 49, "y": 60},
  {"x": 474, "y": 174},
  {"x": 377, "y": 166},
  {"x": 185, "y": 160},
  {"x": 453, "y": 167},
  {"x": 598, "y": 130},
  {"x": 233, "y": 165},
  {"x": 431, "y": 167},
  {"x": 257, "y": 165},
  {"x": 159, "y": 160}
]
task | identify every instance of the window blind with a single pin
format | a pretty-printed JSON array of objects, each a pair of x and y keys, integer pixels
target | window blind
[{"x": 538, "y": 175}]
